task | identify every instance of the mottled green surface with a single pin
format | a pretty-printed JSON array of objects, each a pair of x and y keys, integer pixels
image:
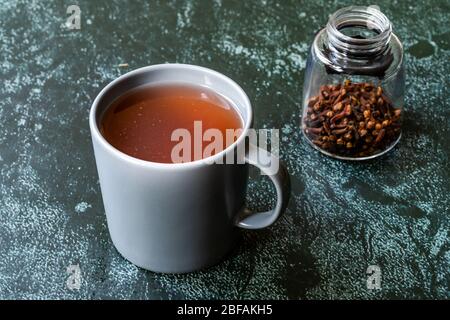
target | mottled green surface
[{"x": 392, "y": 212}]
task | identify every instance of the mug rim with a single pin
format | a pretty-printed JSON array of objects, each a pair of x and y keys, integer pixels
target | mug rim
[{"x": 95, "y": 132}]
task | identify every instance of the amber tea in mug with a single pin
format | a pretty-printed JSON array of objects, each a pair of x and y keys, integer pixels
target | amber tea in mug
[{"x": 140, "y": 123}]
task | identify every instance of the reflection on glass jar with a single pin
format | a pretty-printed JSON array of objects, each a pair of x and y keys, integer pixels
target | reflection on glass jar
[{"x": 354, "y": 86}]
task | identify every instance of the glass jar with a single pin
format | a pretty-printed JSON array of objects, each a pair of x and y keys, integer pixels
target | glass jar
[{"x": 354, "y": 86}]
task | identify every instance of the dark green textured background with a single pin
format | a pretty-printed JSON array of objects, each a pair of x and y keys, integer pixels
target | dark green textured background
[{"x": 392, "y": 212}]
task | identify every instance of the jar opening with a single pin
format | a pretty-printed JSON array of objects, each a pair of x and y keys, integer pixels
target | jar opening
[{"x": 358, "y": 31}]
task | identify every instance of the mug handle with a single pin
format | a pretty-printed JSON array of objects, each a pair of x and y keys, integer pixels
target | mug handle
[{"x": 280, "y": 178}]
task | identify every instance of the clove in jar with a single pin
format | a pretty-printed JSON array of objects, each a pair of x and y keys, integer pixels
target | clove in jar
[{"x": 352, "y": 120}]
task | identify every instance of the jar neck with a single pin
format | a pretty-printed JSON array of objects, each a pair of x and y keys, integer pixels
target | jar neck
[{"x": 373, "y": 32}]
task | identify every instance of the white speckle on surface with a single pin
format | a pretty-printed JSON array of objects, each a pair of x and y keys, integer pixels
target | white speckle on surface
[
  {"x": 439, "y": 241},
  {"x": 37, "y": 126},
  {"x": 184, "y": 18},
  {"x": 297, "y": 60},
  {"x": 82, "y": 207},
  {"x": 238, "y": 49},
  {"x": 21, "y": 122},
  {"x": 284, "y": 61},
  {"x": 287, "y": 129}
]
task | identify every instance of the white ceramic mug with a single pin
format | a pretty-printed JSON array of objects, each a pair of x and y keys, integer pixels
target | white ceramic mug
[{"x": 178, "y": 217}]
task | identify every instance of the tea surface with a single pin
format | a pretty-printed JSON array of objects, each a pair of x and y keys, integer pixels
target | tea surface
[{"x": 141, "y": 122}]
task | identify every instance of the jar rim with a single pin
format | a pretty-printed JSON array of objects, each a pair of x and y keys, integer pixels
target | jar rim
[{"x": 364, "y": 16}]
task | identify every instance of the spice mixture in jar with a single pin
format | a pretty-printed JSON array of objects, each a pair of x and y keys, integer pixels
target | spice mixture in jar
[{"x": 352, "y": 120}]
